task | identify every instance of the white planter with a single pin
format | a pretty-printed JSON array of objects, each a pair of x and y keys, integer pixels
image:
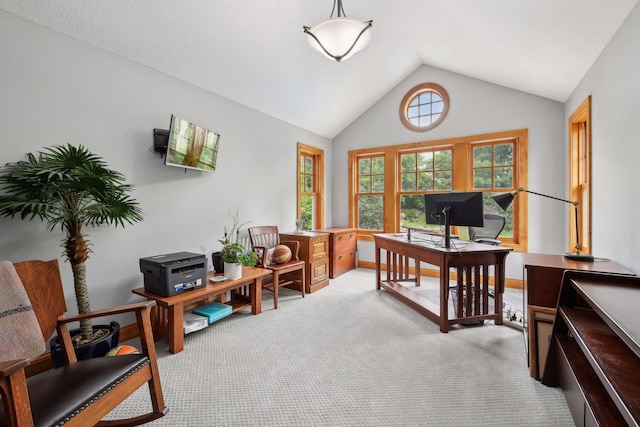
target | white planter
[{"x": 233, "y": 271}]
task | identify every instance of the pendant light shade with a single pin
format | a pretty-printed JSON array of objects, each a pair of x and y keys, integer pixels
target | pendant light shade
[{"x": 340, "y": 37}]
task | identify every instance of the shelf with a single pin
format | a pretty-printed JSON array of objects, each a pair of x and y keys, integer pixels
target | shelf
[{"x": 594, "y": 354}]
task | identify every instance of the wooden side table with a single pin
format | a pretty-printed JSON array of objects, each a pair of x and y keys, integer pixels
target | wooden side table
[
  {"x": 542, "y": 277},
  {"x": 314, "y": 250},
  {"x": 168, "y": 317},
  {"x": 342, "y": 250}
]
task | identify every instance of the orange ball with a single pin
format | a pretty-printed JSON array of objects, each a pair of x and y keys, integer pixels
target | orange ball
[
  {"x": 123, "y": 349},
  {"x": 281, "y": 254}
]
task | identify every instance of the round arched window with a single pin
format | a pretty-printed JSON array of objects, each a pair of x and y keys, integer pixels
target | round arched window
[{"x": 424, "y": 107}]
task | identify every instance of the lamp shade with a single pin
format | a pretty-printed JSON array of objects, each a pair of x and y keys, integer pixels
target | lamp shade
[
  {"x": 504, "y": 200},
  {"x": 339, "y": 38}
]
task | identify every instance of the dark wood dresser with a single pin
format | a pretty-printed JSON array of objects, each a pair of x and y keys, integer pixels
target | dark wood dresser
[
  {"x": 342, "y": 250},
  {"x": 595, "y": 349},
  {"x": 542, "y": 280},
  {"x": 314, "y": 249}
]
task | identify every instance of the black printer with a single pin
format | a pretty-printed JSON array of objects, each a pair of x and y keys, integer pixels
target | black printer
[{"x": 171, "y": 274}]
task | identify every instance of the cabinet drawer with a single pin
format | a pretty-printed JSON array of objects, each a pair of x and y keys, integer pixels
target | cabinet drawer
[
  {"x": 344, "y": 242},
  {"x": 344, "y": 262},
  {"x": 319, "y": 271},
  {"x": 319, "y": 248}
]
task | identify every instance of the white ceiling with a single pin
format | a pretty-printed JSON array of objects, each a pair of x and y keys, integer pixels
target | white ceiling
[{"x": 254, "y": 51}]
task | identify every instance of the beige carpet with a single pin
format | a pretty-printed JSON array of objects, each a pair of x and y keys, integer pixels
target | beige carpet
[{"x": 349, "y": 355}]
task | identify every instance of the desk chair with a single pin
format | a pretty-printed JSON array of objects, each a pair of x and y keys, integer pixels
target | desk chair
[
  {"x": 489, "y": 232},
  {"x": 289, "y": 273},
  {"x": 82, "y": 392}
]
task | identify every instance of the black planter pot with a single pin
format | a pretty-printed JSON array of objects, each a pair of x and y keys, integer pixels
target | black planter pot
[
  {"x": 218, "y": 265},
  {"x": 87, "y": 351}
]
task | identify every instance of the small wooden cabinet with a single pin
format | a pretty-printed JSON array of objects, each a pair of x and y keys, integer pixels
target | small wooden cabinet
[
  {"x": 314, "y": 249},
  {"x": 342, "y": 250},
  {"x": 595, "y": 350}
]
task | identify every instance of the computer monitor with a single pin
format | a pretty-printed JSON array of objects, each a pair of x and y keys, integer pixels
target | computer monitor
[{"x": 463, "y": 209}]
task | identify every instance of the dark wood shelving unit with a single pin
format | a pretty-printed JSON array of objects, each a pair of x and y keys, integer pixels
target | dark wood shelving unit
[{"x": 595, "y": 348}]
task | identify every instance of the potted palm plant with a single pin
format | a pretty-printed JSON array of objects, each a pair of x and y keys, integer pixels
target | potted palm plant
[
  {"x": 69, "y": 187},
  {"x": 233, "y": 253}
]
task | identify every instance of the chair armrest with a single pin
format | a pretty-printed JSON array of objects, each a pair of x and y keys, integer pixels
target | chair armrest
[
  {"x": 143, "y": 319},
  {"x": 8, "y": 367},
  {"x": 489, "y": 241},
  {"x": 261, "y": 253},
  {"x": 137, "y": 307},
  {"x": 294, "y": 245}
]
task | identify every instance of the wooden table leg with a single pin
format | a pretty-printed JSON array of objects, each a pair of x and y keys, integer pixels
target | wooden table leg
[
  {"x": 255, "y": 288},
  {"x": 175, "y": 328},
  {"x": 444, "y": 298}
]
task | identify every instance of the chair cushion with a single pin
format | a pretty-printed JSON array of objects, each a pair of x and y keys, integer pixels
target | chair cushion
[
  {"x": 20, "y": 333},
  {"x": 58, "y": 394}
]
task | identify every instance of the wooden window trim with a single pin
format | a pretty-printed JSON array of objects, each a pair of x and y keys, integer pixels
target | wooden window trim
[
  {"x": 580, "y": 118},
  {"x": 318, "y": 184},
  {"x": 417, "y": 90},
  {"x": 461, "y": 178}
]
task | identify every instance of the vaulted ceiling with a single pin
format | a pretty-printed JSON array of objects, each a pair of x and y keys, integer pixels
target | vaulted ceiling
[{"x": 254, "y": 51}]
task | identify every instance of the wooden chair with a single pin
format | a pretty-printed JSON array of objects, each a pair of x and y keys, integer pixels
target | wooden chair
[
  {"x": 286, "y": 274},
  {"x": 81, "y": 393}
]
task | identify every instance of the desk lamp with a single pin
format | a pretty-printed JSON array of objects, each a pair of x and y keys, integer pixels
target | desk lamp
[{"x": 504, "y": 200}]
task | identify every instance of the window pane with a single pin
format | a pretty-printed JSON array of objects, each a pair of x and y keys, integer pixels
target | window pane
[
  {"x": 308, "y": 184},
  {"x": 425, "y": 161},
  {"x": 412, "y": 210},
  {"x": 482, "y": 156},
  {"x": 503, "y": 178},
  {"x": 425, "y": 120},
  {"x": 377, "y": 165},
  {"x": 482, "y": 178},
  {"x": 490, "y": 206},
  {"x": 370, "y": 212},
  {"x": 413, "y": 112},
  {"x": 425, "y": 181},
  {"x": 503, "y": 154},
  {"x": 307, "y": 210},
  {"x": 437, "y": 107},
  {"x": 364, "y": 166},
  {"x": 408, "y": 162},
  {"x": 408, "y": 182},
  {"x": 377, "y": 183},
  {"x": 444, "y": 180},
  {"x": 365, "y": 184},
  {"x": 443, "y": 160}
]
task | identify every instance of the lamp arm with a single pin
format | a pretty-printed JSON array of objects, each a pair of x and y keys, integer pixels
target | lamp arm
[
  {"x": 575, "y": 209},
  {"x": 550, "y": 197}
]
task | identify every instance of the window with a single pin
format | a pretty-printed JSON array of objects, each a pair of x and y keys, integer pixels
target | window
[
  {"x": 424, "y": 107},
  {"x": 580, "y": 175},
  {"x": 310, "y": 186},
  {"x": 388, "y": 184},
  {"x": 370, "y": 193}
]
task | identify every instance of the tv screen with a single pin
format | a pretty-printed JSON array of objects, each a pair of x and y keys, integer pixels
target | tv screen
[
  {"x": 191, "y": 146},
  {"x": 462, "y": 209}
]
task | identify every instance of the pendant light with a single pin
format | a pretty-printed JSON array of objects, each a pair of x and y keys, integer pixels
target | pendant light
[{"x": 340, "y": 37}]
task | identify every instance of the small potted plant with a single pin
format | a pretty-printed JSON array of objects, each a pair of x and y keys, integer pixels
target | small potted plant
[{"x": 235, "y": 255}]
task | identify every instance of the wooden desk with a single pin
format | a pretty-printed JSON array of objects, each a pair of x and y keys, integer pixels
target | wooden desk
[
  {"x": 169, "y": 314},
  {"x": 542, "y": 277},
  {"x": 471, "y": 262}
]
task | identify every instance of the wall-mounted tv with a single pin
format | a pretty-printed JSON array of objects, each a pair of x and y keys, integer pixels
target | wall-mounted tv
[{"x": 191, "y": 146}]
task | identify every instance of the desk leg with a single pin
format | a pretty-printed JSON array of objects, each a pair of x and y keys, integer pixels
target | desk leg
[
  {"x": 255, "y": 288},
  {"x": 175, "y": 328},
  {"x": 444, "y": 298},
  {"x": 498, "y": 275},
  {"x": 378, "y": 267}
]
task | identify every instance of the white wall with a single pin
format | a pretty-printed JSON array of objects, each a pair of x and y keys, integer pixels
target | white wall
[
  {"x": 614, "y": 85},
  {"x": 476, "y": 107},
  {"x": 57, "y": 90}
]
